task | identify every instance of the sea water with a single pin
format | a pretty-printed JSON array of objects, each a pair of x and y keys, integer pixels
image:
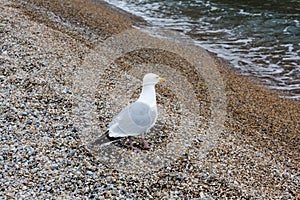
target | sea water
[{"x": 261, "y": 38}]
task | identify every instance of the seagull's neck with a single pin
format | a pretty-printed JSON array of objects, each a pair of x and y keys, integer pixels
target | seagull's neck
[{"x": 148, "y": 95}]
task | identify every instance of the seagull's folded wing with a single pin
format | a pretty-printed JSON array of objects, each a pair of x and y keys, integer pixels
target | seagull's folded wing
[{"x": 133, "y": 120}]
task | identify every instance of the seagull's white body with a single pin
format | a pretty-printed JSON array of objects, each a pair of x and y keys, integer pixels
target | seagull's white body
[{"x": 139, "y": 117}]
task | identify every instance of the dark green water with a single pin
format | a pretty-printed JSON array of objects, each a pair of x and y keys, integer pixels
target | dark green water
[{"x": 261, "y": 38}]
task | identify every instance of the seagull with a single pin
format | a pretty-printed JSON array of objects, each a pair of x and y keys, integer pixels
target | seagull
[{"x": 136, "y": 118}]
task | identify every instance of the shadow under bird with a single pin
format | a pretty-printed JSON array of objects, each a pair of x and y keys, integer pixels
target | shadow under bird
[{"x": 136, "y": 118}]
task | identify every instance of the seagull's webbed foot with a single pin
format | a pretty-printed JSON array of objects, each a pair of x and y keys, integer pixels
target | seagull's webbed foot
[{"x": 145, "y": 143}]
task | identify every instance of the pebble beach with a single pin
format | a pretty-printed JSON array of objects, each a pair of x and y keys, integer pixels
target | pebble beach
[{"x": 50, "y": 77}]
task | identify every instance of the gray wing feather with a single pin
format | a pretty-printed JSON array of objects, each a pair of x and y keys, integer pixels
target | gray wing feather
[
  {"x": 134, "y": 119},
  {"x": 140, "y": 114}
]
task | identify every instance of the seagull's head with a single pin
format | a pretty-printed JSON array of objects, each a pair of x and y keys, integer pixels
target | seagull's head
[{"x": 152, "y": 79}]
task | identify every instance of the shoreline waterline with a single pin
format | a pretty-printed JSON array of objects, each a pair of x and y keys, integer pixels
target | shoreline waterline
[{"x": 242, "y": 42}]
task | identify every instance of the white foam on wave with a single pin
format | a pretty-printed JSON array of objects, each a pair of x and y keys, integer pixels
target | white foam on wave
[
  {"x": 242, "y": 12},
  {"x": 286, "y": 30},
  {"x": 289, "y": 46}
]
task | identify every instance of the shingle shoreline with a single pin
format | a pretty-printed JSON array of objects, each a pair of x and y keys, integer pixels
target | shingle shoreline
[{"x": 45, "y": 43}]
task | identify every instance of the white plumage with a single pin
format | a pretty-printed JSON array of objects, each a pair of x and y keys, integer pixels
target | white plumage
[{"x": 139, "y": 117}]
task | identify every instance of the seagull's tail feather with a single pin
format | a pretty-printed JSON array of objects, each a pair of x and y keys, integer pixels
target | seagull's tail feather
[{"x": 105, "y": 139}]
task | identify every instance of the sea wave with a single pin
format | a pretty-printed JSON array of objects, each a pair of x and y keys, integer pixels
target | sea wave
[{"x": 258, "y": 38}]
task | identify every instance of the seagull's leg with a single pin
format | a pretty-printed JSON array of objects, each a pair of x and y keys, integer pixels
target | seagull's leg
[
  {"x": 145, "y": 143},
  {"x": 131, "y": 145}
]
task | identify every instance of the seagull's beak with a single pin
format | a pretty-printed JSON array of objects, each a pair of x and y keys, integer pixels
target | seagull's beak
[{"x": 162, "y": 80}]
